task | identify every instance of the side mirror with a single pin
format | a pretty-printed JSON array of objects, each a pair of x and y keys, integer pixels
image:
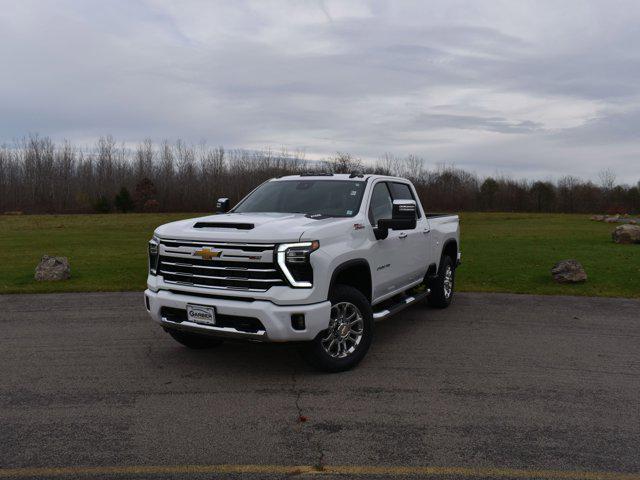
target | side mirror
[
  {"x": 403, "y": 217},
  {"x": 222, "y": 205}
]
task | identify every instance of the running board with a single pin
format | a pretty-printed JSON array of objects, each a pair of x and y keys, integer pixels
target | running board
[{"x": 404, "y": 303}]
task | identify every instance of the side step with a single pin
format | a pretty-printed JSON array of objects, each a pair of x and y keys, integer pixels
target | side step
[{"x": 404, "y": 303}]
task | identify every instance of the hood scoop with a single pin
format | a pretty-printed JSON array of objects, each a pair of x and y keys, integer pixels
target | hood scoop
[{"x": 236, "y": 226}]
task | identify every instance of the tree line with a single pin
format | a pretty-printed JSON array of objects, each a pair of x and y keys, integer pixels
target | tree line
[{"x": 40, "y": 176}]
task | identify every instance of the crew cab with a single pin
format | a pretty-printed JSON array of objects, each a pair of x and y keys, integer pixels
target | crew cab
[{"x": 311, "y": 258}]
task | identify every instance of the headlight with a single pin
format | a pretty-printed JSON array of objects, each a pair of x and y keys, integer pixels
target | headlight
[
  {"x": 294, "y": 260},
  {"x": 154, "y": 248}
]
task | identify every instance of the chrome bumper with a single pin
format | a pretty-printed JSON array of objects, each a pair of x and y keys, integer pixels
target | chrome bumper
[{"x": 227, "y": 332}]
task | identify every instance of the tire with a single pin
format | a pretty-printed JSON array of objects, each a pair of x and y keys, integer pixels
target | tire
[
  {"x": 194, "y": 341},
  {"x": 442, "y": 287},
  {"x": 336, "y": 349}
]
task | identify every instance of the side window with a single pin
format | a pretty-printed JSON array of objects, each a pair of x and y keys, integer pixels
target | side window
[
  {"x": 401, "y": 191},
  {"x": 381, "y": 204}
]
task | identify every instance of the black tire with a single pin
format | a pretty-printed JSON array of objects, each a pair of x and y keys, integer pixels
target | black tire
[
  {"x": 193, "y": 340},
  {"x": 317, "y": 352},
  {"x": 441, "y": 295}
]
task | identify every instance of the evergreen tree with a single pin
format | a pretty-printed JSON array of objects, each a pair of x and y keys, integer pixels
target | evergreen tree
[{"x": 123, "y": 200}]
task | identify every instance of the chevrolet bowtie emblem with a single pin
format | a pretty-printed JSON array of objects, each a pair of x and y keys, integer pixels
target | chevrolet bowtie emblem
[{"x": 207, "y": 254}]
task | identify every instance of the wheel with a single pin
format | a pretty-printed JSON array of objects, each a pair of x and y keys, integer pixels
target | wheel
[
  {"x": 348, "y": 338},
  {"x": 195, "y": 341},
  {"x": 443, "y": 285}
]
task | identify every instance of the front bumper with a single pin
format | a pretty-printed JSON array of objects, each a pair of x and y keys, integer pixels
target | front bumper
[{"x": 276, "y": 319}]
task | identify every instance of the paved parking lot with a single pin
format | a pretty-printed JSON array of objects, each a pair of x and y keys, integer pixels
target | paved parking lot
[{"x": 496, "y": 386}]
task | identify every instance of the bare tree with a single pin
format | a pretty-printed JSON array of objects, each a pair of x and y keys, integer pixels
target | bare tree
[
  {"x": 387, "y": 165},
  {"x": 144, "y": 159},
  {"x": 567, "y": 192},
  {"x": 344, "y": 163},
  {"x": 607, "y": 179}
]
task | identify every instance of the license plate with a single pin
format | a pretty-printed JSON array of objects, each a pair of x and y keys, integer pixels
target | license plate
[{"x": 201, "y": 314}]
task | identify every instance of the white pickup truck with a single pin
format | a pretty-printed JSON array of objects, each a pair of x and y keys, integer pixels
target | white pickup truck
[{"x": 313, "y": 258}]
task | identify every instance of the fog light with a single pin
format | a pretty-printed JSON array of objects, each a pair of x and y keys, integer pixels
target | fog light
[{"x": 297, "y": 321}]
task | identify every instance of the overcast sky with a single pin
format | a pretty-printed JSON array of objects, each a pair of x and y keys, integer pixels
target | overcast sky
[{"x": 528, "y": 89}]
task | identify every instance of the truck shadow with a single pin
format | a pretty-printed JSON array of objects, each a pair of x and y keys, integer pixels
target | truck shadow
[{"x": 277, "y": 359}]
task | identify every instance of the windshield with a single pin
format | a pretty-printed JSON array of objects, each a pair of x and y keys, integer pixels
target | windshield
[{"x": 332, "y": 198}]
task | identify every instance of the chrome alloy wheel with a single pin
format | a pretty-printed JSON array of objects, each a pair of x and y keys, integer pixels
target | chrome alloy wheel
[
  {"x": 345, "y": 331},
  {"x": 448, "y": 281}
]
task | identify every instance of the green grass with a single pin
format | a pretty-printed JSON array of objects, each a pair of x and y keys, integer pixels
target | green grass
[
  {"x": 106, "y": 252},
  {"x": 502, "y": 252},
  {"x": 507, "y": 252}
]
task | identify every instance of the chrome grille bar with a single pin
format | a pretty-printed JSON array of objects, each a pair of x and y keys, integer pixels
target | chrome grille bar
[
  {"x": 204, "y": 242},
  {"x": 199, "y": 285},
  {"x": 238, "y": 269},
  {"x": 239, "y": 279}
]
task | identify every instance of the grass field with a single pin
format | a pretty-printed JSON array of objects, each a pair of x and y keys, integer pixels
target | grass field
[{"x": 502, "y": 252}]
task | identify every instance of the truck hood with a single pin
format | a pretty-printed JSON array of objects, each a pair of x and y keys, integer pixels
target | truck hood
[{"x": 242, "y": 227}]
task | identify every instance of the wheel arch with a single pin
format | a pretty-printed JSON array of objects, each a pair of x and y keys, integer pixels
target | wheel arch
[
  {"x": 450, "y": 248},
  {"x": 356, "y": 273}
]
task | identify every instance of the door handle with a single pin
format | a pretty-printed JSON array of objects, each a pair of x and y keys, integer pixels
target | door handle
[
  {"x": 426, "y": 230},
  {"x": 402, "y": 235}
]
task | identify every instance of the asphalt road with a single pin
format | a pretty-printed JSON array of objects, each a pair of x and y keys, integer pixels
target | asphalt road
[{"x": 496, "y": 386}]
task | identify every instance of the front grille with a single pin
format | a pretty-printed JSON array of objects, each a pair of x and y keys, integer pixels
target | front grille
[
  {"x": 242, "y": 324},
  {"x": 247, "y": 267}
]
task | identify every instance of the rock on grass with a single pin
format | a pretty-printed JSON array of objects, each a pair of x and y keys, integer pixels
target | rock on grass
[
  {"x": 568, "y": 271},
  {"x": 626, "y": 234},
  {"x": 53, "y": 269}
]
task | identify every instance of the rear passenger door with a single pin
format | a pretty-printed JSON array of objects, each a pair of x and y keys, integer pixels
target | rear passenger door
[{"x": 415, "y": 243}]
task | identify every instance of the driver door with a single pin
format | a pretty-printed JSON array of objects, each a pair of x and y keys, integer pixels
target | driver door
[{"x": 389, "y": 270}]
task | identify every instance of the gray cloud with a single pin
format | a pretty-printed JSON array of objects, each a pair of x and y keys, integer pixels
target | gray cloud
[
  {"x": 471, "y": 122},
  {"x": 521, "y": 88},
  {"x": 606, "y": 129}
]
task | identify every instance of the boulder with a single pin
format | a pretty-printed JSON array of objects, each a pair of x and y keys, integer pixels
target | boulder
[
  {"x": 626, "y": 234},
  {"x": 53, "y": 269},
  {"x": 568, "y": 271},
  {"x": 598, "y": 218}
]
